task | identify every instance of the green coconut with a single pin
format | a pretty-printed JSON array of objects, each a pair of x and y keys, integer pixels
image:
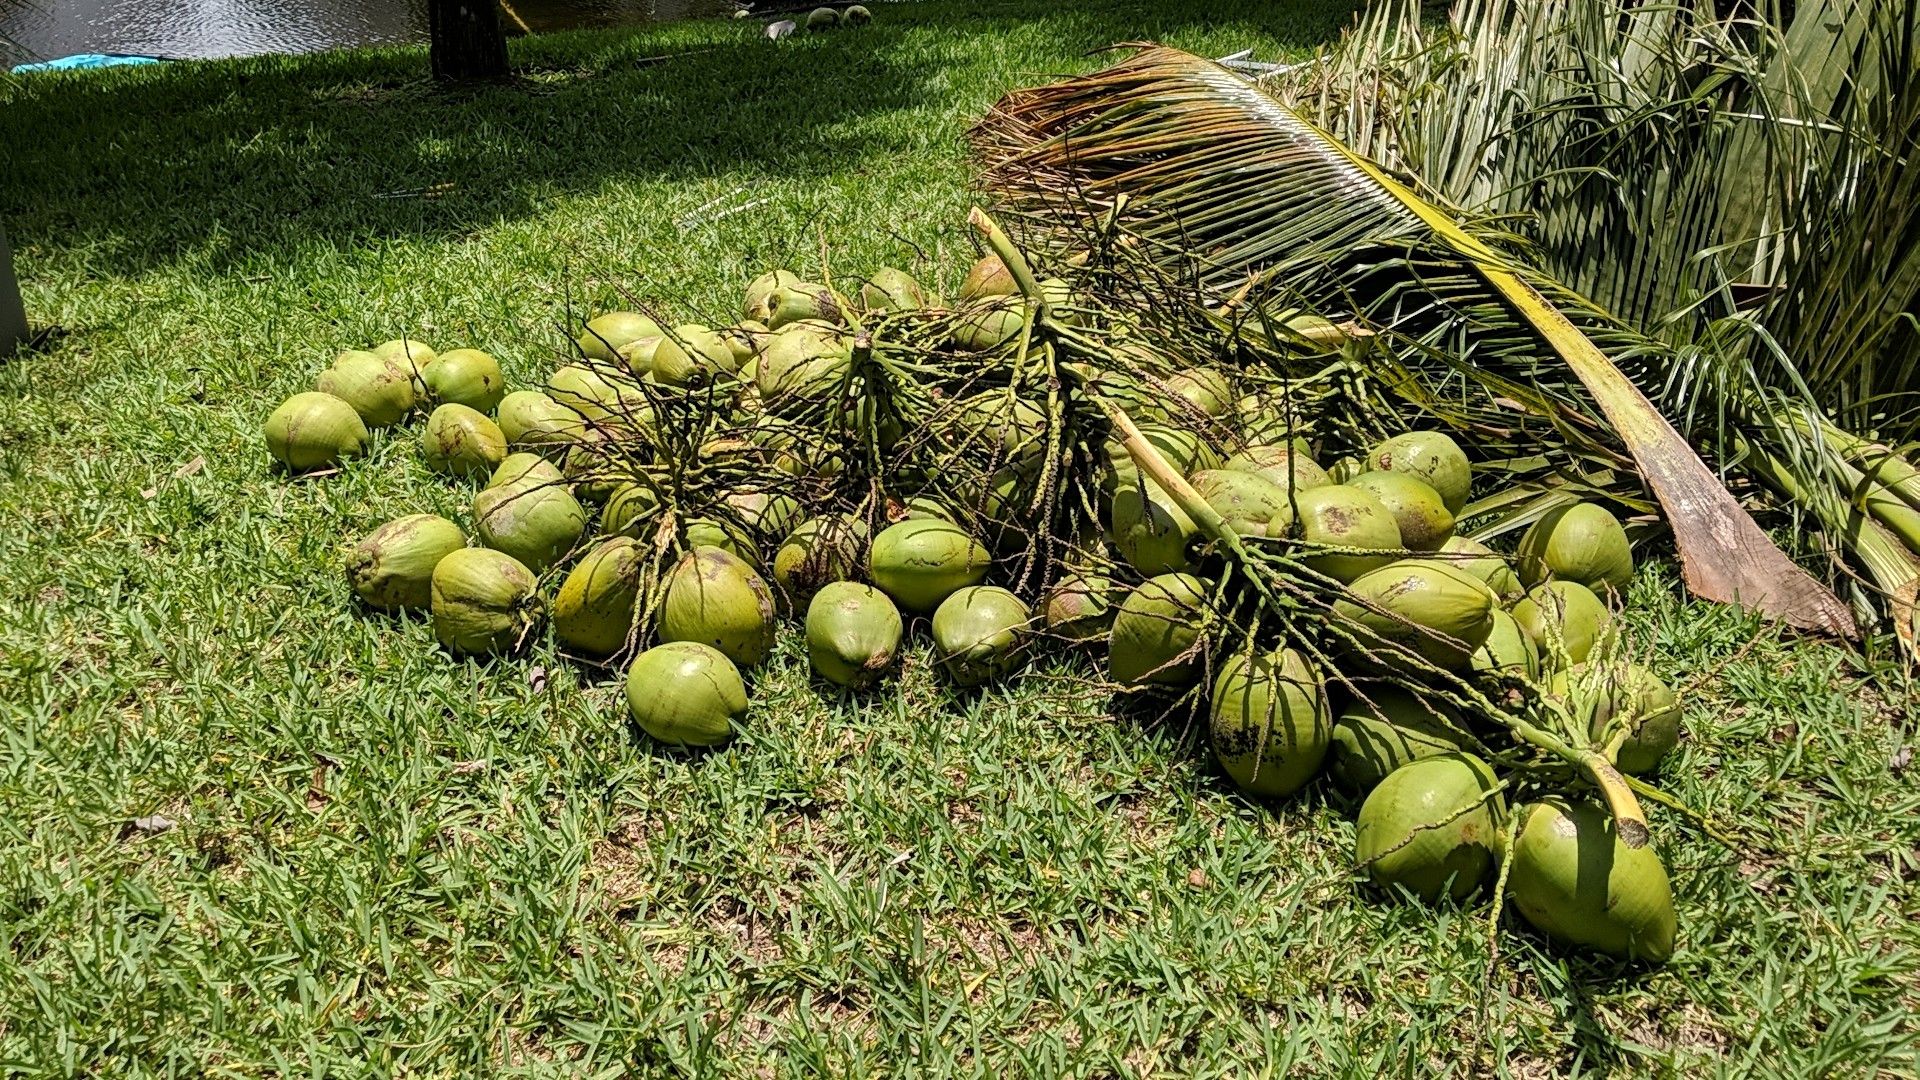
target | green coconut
[
  {"x": 483, "y": 601},
  {"x": 1422, "y": 516},
  {"x": 593, "y": 611},
  {"x": 769, "y": 515},
  {"x": 1145, "y": 405},
  {"x": 1158, "y": 632},
  {"x": 746, "y": 390},
  {"x": 467, "y": 377},
  {"x": 822, "y": 18},
  {"x": 1080, "y": 606},
  {"x": 804, "y": 302},
  {"x": 605, "y": 334},
  {"x": 691, "y": 356},
  {"x": 1270, "y": 723},
  {"x": 1290, "y": 467},
  {"x": 1440, "y": 613},
  {"x": 637, "y": 357},
  {"x": 1268, "y": 418},
  {"x": 997, "y": 504},
  {"x": 819, "y": 551},
  {"x": 1338, "y": 516},
  {"x": 795, "y": 448},
  {"x": 926, "y": 506},
  {"x": 460, "y": 441},
  {"x": 1483, "y": 562},
  {"x": 531, "y": 420},
  {"x": 1432, "y": 827},
  {"x": 988, "y": 324},
  {"x": 415, "y": 356},
  {"x": 855, "y": 15},
  {"x": 980, "y": 633},
  {"x": 1576, "y": 881},
  {"x": 726, "y": 534},
  {"x": 585, "y": 467},
  {"x": 756, "y": 308},
  {"x": 601, "y": 395},
  {"x": 1432, "y": 456},
  {"x": 892, "y": 289},
  {"x": 407, "y": 350},
  {"x": 806, "y": 361},
  {"x": 1206, "y": 389},
  {"x": 1063, "y": 304},
  {"x": 1246, "y": 501},
  {"x": 1346, "y": 468},
  {"x": 392, "y": 567},
  {"x": 997, "y": 428},
  {"x": 528, "y": 467},
  {"x": 714, "y": 596},
  {"x": 1389, "y": 727},
  {"x": 987, "y": 277},
  {"x": 853, "y": 633},
  {"x": 535, "y": 521},
  {"x": 630, "y": 511},
  {"x": 1565, "y": 620},
  {"x": 744, "y": 341},
  {"x": 686, "y": 693},
  {"x": 1184, "y": 450},
  {"x": 313, "y": 430},
  {"x": 381, "y": 391},
  {"x": 1583, "y": 543},
  {"x": 1623, "y": 700},
  {"x": 1150, "y": 531},
  {"x": 920, "y": 562},
  {"x": 1508, "y": 651},
  {"x": 1002, "y": 505}
]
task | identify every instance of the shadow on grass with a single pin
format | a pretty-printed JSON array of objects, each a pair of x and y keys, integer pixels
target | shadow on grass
[{"x": 140, "y": 168}]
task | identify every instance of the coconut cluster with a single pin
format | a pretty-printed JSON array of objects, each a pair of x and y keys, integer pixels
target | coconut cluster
[{"x": 871, "y": 464}]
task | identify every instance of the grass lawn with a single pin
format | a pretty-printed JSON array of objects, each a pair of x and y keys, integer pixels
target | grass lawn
[{"x": 383, "y": 860}]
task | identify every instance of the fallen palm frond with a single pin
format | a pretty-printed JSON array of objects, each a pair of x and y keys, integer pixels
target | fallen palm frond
[
  {"x": 1740, "y": 187},
  {"x": 1171, "y": 161}
]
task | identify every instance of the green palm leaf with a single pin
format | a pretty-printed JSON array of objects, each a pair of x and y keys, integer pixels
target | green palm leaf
[
  {"x": 1740, "y": 187},
  {"x": 1218, "y": 184}
]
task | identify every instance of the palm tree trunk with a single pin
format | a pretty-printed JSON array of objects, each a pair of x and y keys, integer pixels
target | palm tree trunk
[
  {"x": 465, "y": 40},
  {"x": 13, "y": 315}
]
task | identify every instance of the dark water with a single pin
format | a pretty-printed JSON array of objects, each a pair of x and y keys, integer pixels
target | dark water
[{"x": 203, "y": 29}]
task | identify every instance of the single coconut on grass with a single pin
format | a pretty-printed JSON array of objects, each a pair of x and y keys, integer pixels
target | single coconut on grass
[
  {"x": 686, "y": 693},
  {"x": 714, "y": 597},
  {"x": 392, "y": 568},
  {"x": 382, "y": 391},
  {"x": 483, "y": 601},
  {"x": 595, "y": 608},
  {"x": 853, "y": 633},
  {"x": 314, "y": 430},
  {"x": 461, "y": 441}
]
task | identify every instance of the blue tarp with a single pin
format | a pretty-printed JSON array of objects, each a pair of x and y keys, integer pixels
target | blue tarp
[{"x": 85, "y": 60}]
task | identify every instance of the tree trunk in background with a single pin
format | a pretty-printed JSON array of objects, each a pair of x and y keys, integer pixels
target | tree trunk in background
[
  {"x": 13, "y": 317},
  {"x": 466, "y": 40}
]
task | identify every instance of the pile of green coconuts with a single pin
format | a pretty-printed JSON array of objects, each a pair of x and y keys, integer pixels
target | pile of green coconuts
[{"x": 871, "y": 463}]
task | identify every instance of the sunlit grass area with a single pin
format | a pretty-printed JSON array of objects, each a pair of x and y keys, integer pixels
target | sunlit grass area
[{"x": 246, "y": 829}]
